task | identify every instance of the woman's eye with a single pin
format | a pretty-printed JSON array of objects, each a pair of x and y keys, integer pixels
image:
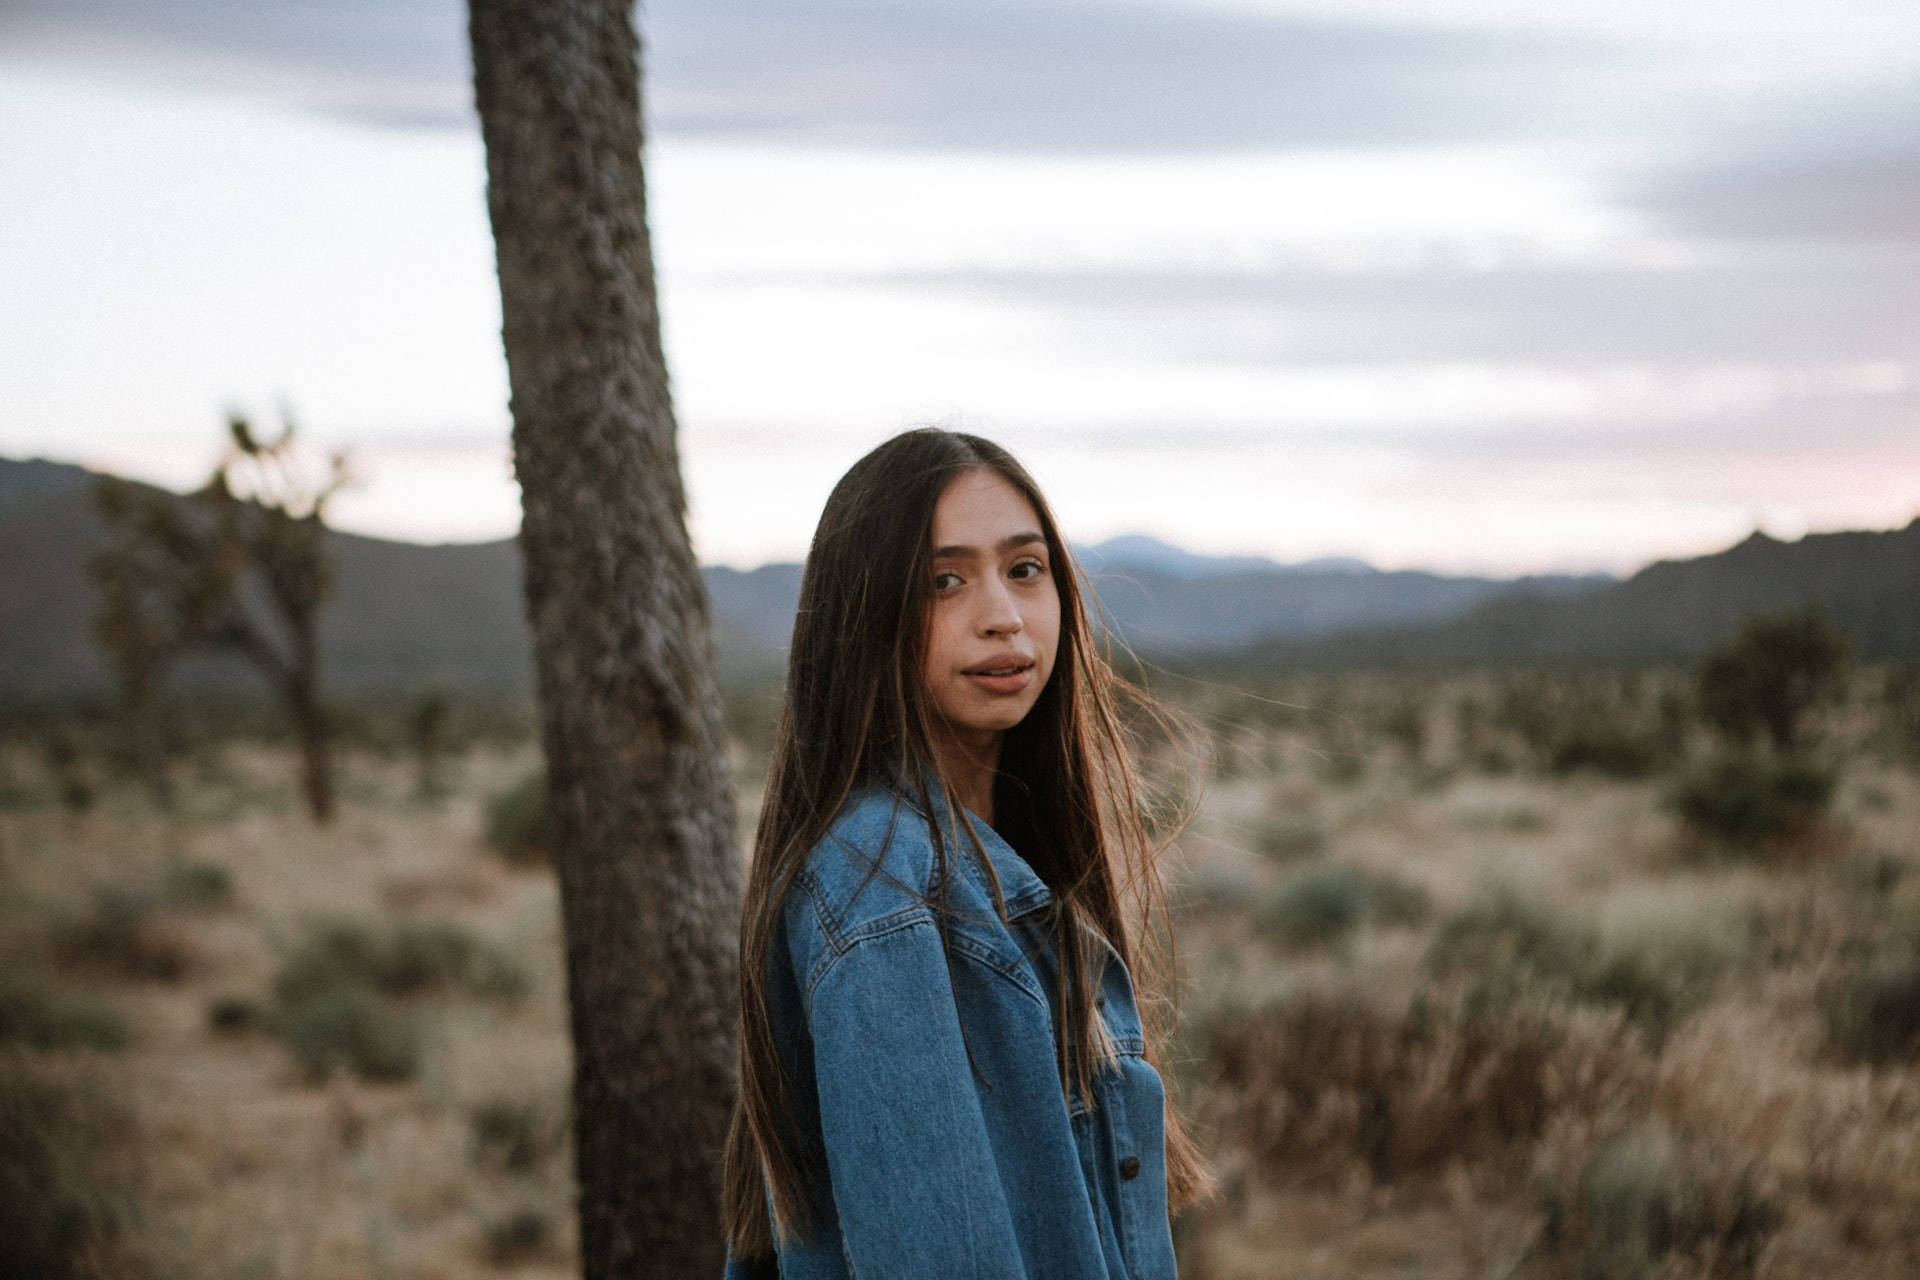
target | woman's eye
[
  {"x": 1028, "y": 569},
  {"x": 945, "y": 581}
]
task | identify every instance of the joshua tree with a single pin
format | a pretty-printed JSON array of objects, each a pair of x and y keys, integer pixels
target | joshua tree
[
  {"x": 179, "y": 576},
  {"x": 1772, "y": 674},
  {"x": 430, "y": 742},
  {"x": 630, "y": 715},
  {"x": 135, "y": 623}
]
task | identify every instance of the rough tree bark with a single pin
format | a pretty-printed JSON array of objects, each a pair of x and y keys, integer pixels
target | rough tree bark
[{"x": 640, "y": 795}]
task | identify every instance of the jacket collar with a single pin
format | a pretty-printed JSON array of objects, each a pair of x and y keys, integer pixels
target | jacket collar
[{"x": 1021, "y": 888}]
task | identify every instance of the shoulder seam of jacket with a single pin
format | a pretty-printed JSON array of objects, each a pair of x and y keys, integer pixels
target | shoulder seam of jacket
[{"x": 908, "y": 918}]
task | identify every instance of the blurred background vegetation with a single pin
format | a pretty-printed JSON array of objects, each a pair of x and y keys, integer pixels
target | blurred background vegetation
[{"x": 1546, "y": 960}]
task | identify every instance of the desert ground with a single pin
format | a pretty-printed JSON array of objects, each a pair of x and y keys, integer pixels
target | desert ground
[{"x": 1466, "y": 992}]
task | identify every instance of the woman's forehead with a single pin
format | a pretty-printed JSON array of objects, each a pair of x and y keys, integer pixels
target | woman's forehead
[{"x": 982, "y": 511}]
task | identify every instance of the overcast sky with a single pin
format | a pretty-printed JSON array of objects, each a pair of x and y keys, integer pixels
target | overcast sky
[{"x": 1464, "y": 284}]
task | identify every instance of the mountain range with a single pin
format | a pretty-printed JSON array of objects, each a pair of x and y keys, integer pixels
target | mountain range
[{"x": 406, "y": 615}]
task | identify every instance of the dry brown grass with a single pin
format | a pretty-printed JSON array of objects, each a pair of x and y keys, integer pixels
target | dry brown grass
[
  {"x": 1375, "y": 1117},
  {"x": 248, "y": 1169}
]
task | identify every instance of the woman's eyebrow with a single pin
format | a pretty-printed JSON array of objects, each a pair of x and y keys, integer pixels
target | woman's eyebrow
[{"x": 1006, "y": 544}]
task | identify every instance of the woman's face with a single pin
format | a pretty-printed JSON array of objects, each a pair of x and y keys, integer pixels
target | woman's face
[{"x": 994, "y": 623}]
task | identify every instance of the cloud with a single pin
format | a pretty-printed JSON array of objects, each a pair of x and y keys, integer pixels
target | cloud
[
  {"x": 1857, "y": 192},
  {"x": 1832, "y": 163},
  {"x": 386, "y": 62},
  {"x": 1797, "y": 307},
  {"x": 1041, "y": 77},
  {"x": 1032, "y": 77}
]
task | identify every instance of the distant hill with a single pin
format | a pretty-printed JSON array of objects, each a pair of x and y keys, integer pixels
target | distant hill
[
  {"x": 1673, "y": 610},
  {"x": 402, "y": 613},
  {"x": 406, "y": 614},
  {"x": 1187, "y": 612},
  {"x": 1166, "y": 600}
]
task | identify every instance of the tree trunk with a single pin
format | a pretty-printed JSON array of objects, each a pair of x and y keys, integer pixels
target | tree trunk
[
  {"x": 637, "y": 775},
  {"x": 312, "y": 731}
]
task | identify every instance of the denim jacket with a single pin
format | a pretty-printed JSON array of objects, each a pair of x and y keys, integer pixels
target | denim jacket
[{"x": 938, "y": 1142}]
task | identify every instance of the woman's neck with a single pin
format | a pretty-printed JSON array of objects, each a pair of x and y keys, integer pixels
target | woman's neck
[{"x": 969, "y": 764}]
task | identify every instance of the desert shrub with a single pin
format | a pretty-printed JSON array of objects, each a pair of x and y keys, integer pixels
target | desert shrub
[
  {"x": 1605, "y": 747},
  {"x": 1493, "y": 761},
  {"x": 439, "y": 955},
  {"x": 516, "y": 824},
  {"x": 1876, "y": 873},
  {"x": 1499, "y": 935},
  {"x": 355, "y": 1029},
  {"x": 1323, "y": 905},
  {"x": 1342, "y": 768},
  {"x": 125, "y": 934},
  {"x": 1515, "y": 818},
  {"x": 514, "y": 1134},
  {"x": 1405, "y": 725},
  {"x": 340, "y": 993},
  {"x": 73, "y": 779},
  {"x": 1211, "y": 888},
  {"x": 1872, "y": 1010},
  {"x": 1320, "y": 1080},
  {"x": 1285, "y": 837},
  {"x": 1640, "y": 1201},
  {"x": 1525, "y": 706},
  {"x": 41, "y": 1019},
  {"x": 69, "y": 1178},
  {"x": 523, "y": 1234},
  {"x": 17, "y": 794},
  {"x": 230, "y": 1014},
  {"x": 1766, "y": 681},
  {"x": 199, "y": 884},
  {"x": 1748, "y": 802},
  {"x": 397, "y": 959},
  {"x": 1900, "y": 712},
  {"x": 1498, "y": 951}
]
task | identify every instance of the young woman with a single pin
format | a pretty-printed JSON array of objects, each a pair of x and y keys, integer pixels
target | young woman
[{"x": 944, "y": 1070}]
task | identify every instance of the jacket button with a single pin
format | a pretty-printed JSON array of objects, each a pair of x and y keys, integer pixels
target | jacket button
[{"x": 1130, "y": 1168}]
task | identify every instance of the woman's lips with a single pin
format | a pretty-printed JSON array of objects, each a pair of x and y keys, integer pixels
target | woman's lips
[{"x": 1001, "y": 677}]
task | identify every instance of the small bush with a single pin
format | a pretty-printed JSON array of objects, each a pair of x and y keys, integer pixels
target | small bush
[
  {"x": 69, "y": 1177},
  {"x": 1749, "y": 801},
  {"x": 127, "y": 935},
  {"x": 513, "y": 1134},
  {"x": 441, "y": 956},
  {"x": 340, "y": 993},
  {"x": 1343, "y": 768},
  {"x": 523, "y": 1235},
  {"x": 199, "y": 884},
  {"x": 1873, "y": 1011},
  {"x": 1323, "y": 905},
  {"x": 1319, "y": 1081},
  {"x": 1640, "y": 1201},
  {"x": 1290, "y": 838},
  {"x": 401, "y": 959},
  {"x": 516, "y": 826},
  {"x": 1606, "y": 748},
  {"x": 41, "y": 1020},
  {"x": 354, "y": 1029},
  {"x": 1208, "y": 888},
  {"x": 229, "y": 1015},
  {"x": 1501, "y": 935},
  {"x": 1502, "y": 951}
]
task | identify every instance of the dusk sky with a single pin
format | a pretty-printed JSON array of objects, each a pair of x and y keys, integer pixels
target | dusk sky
[{"x": 1472, "y": 285}]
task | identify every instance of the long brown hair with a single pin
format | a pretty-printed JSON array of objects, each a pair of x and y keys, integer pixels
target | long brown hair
[{"x": 855, "y": 713}]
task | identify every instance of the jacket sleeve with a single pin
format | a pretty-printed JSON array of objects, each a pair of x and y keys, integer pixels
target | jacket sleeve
[{"x": 915, "y": 1184}]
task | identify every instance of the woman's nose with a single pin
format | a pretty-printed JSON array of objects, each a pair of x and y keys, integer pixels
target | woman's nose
[{"x": 1000, "y": 616}]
